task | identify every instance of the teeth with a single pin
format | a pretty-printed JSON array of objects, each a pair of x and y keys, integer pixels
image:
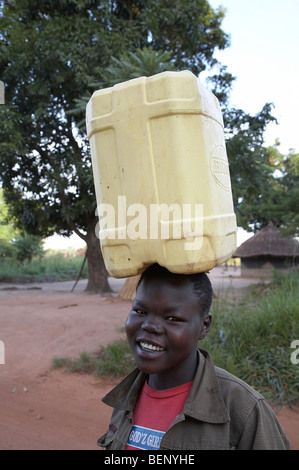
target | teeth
[{"x": 150, "y": 347}]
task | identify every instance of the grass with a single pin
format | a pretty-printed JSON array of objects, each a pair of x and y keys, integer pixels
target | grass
[
  {"x": 251, "y": 338},
  {"x": 84, "y": 363},
  {"x": 115, "y": 359},
  {"x": 54, "y": 266}
]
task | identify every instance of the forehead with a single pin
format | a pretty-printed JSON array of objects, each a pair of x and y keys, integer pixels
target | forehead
[{"x": 168, "y": 291}]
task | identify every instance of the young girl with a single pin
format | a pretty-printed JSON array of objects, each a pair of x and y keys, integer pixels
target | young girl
[{"x": 176, "y": 398}]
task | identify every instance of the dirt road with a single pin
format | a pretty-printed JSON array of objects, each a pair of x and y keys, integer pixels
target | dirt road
[{"x": 41, "y": 408}]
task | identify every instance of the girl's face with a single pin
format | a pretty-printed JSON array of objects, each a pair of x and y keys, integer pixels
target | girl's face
[{"x": 163, "y": 329}]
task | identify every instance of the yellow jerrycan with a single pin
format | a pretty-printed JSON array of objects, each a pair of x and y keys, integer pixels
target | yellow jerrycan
[{"x": 161, "y": 175}]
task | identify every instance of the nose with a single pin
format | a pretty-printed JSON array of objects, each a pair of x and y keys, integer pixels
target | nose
[{"x": 152, "y": 325}]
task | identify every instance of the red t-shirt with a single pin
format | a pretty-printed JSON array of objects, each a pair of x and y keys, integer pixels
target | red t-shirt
[{"x": 154, "y": 412}]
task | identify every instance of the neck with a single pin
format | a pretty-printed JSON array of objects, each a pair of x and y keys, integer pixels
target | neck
[{"x": 184, "y": 373}]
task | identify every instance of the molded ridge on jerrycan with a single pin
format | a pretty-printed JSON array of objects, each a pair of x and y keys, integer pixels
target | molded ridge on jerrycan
[{"x": 161, "y": 175}]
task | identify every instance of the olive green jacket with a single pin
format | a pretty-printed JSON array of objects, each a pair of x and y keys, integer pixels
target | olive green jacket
[{"x": 221, "y": 412}]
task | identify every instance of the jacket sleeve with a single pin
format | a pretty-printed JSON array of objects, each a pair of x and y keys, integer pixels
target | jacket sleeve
[{"x": 262, "y": 430}]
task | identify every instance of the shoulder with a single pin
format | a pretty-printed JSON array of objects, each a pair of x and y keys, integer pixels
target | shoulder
[
  {"x": 229, "y": 383},
  {"x": 253, "y": 424},
  {"x": 246, "y": 406},
  {"x": 253, "y": 421},
  {"x": 232, "y": 389},
  {"x": 239, "y": 397}
]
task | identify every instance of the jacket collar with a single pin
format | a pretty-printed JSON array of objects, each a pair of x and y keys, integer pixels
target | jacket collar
[{"x": 204, "y": 403}]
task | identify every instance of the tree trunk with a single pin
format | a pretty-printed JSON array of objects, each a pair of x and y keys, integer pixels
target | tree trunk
[
  {"x": 128, "y": 290},
  {"x": 97, "y": 273}
]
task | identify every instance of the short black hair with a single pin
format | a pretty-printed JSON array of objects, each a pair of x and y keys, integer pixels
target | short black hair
[{"x": 201, "y": 283}]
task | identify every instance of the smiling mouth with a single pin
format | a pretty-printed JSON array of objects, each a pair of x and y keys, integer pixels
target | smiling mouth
[{"x": 150, "y": 347}]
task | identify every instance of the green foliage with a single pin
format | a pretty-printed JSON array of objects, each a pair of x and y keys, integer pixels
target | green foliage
[
  {"x": 249, "y": 166},
  {"x": 23, "y": 247},
  {"x": 7, "y": 231},
  {"x": 84, "y": 363},
  {"x": 252, "y": 339},
  {"x": 144, "y": 62},
  {"x": 6, "y": 250},
  {"x": 278, "y": 199},
  {"x": 52, "y": 267},
  {"x": 190, "y": 30},
  {"x": 59, "y": 362},
  {"x": 28, "y": 246},
  {"x": 115, "y": 359}
]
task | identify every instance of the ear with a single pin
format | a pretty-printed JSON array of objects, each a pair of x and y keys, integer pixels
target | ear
[{"x": 205, "y": 327}]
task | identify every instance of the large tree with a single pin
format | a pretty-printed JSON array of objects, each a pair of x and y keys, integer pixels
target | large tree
[{"x": 51, "y": 53}]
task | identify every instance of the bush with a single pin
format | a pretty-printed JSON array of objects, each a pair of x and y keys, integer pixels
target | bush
[
  {"x": 7, "y": 250},
  {"x": 114, "y": 359},
  {"x": 52, "y": 267},
  {"x": 22, "y": 248},
  {"x": 27, "y": 247}
]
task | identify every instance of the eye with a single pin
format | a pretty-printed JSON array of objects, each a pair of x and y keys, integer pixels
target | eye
[
  {"x": 174, "y": 319},
  {"x": 139, "y": 311}
]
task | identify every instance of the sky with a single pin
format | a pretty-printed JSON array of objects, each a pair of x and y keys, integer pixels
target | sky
[{"x": 263, "y": 56}]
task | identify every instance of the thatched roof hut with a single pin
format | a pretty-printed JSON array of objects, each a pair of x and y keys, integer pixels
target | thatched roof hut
[{"x": 267, "y": 249}]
